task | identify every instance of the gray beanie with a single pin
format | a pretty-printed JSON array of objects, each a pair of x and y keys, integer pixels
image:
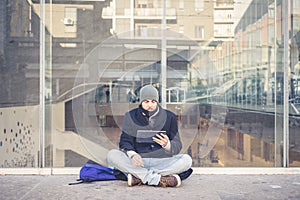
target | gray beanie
[{"x": 148, "y": 92}]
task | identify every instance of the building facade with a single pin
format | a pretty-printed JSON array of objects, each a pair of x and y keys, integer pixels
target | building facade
[{"x": 228, "y": 69}]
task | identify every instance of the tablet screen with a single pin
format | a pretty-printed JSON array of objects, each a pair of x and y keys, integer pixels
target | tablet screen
[{"x": 145, "y": 136}]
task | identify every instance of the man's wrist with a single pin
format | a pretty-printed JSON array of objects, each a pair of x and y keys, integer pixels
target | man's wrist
[
  {"x": 168, "y": 146},
  {"x": 131, "y": 153}
]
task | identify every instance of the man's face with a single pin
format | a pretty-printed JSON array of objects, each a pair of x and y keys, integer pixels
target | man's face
[{"x": 149, "y": 105}]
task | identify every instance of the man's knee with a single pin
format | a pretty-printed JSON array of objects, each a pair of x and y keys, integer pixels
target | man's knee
[
  {"x": 112, "y": 154},
  {"x": 187, "y": 160}
]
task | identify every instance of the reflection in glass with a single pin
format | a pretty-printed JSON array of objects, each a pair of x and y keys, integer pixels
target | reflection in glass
[{"x": 224, "y": 80}]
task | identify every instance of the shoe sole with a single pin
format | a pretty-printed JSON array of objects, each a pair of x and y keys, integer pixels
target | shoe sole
[{"x": 129, "y": 180}]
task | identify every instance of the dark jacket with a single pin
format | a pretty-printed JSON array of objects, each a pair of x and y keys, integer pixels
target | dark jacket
[{"x": 139, "y": 119}]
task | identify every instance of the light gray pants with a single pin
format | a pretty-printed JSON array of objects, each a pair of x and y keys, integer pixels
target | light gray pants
[{"x": 153, "y": 168}]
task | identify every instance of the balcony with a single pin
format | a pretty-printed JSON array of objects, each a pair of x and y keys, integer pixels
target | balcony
[
  {"x": 152, "y": 13},
  {"x": 140, "y": 13}
]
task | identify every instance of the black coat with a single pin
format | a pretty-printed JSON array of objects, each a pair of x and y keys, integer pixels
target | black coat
[{"x": 139, "y": 119}]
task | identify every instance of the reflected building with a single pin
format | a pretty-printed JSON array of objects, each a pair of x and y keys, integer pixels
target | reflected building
[
  {"x": 247, "y": 73},
  {"x": 191, "y": 19}
]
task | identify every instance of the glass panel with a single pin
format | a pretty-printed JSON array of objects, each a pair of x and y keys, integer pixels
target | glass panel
[
  {"x": 237, "y": 124},
  {"x": 19, "y": 82},
  {"x": 294, "y": 99}
]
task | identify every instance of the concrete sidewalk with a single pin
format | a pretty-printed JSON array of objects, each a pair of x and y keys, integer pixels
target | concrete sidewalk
[{"x": 215, "y": 186}]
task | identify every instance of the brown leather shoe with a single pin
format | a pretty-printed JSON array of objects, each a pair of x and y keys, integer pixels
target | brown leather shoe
[
  {"x": 170, "y": 181},
  {"x": 132, "y": 180}
]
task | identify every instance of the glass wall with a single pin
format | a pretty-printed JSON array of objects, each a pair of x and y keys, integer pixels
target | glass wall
[{"x": 229, "y": 70}]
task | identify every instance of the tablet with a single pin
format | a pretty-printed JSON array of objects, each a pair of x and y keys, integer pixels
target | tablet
[{"x": 145, "y": 136}]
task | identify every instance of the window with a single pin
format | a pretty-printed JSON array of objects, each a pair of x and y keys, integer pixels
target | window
[
  {"x": 146, "y": 4},
  {"x": 181, "y": 29},
  {"x": 142, "y": 31},
  {"x": 223, "y": 30},
  {"x": 296, "y": 3},
  {"x": 199, "y": 5},
  {"x": 142, "y": 4},
  {"x": 181, "y": 4},
  {"x": 271, "y": 12},
  {"x": 199, "y": 32}
]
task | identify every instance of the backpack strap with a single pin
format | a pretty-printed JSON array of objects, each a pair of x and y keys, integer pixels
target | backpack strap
[{"x": 79, "y": 181}]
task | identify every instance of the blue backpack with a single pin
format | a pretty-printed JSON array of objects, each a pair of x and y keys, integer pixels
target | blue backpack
[{"x": 90, "y": 172}]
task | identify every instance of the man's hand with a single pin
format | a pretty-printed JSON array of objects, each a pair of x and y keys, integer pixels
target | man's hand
[
  {"x": 161, "y": 139},
  {"x": 136, "y": 160}
]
